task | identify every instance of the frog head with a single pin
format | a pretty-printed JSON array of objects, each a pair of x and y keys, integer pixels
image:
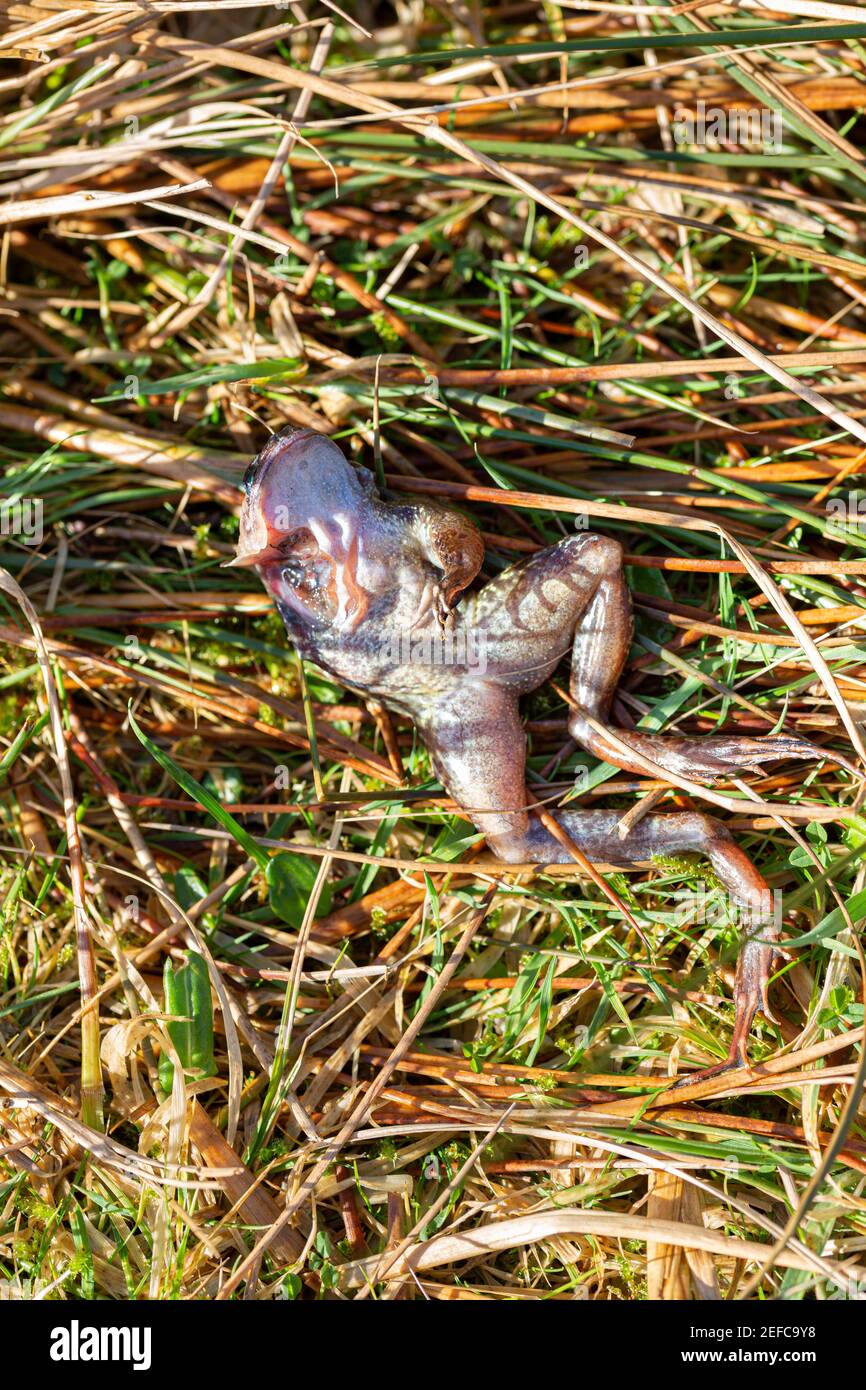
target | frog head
[{"x": 300, "y": 525}]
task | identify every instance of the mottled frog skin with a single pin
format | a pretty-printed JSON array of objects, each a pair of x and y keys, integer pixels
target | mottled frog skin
[{"x": 375, "y": 594}]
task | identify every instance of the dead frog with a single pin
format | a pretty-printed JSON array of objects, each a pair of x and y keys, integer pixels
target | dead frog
[{"x": 371, "y": 592}]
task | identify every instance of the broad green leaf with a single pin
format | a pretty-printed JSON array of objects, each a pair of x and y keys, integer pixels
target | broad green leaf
[
  {"x": 188, "y": 998},
  {"x": 290, "y": 879}
]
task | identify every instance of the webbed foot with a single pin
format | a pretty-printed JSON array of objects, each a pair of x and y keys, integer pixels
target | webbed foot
[
  {"x": 757, "y": 961},
  {"x": 706, "y": 759}
]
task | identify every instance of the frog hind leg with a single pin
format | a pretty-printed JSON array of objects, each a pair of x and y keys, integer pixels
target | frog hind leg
[
  {"x": 574, "y": 595},
  {"x": 601, "y": 643},
  {"x": 478, "y": 748},
  {"x": 596, "y": 833}
]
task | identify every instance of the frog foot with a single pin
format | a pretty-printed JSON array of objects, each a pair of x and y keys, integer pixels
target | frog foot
[
  {"x": 755, "y": 967},
  {"x": 443, "y": 609},
  {"x": 707, "y": 758},
  {"x": 433, "y": 600}
]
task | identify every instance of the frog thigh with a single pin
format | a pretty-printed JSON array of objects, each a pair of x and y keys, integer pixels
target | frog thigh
[
  {"x": 526, "y": 618},
  {"x": 478, "y": 748}
]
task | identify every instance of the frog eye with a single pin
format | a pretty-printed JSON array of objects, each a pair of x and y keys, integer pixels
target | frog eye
[
  {"x": 292, "y": 574},
  {"x": 250, "y": 477}
]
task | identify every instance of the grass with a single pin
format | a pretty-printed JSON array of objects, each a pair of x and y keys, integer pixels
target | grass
[{"x": 476, "y": 254}]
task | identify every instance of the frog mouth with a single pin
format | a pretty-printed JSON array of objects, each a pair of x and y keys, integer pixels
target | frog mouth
[
  {"x": 244, "y": 559},
  {"x": 268, "y": 554},
  {"x": 304, "y": 550}
]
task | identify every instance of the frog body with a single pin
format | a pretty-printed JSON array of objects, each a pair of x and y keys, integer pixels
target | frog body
[{"x": 382, "y": 597}]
